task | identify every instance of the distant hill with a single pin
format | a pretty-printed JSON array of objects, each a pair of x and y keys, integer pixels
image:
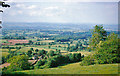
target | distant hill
[{"x": 55, "y": 26}]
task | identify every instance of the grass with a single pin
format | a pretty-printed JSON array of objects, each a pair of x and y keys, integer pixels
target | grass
[
  {"x": 85, "y": 53},
  {"x": 47, "y": 41},
  {"x": 4, "y": 52},
  {"x": 75, "y": 68}
]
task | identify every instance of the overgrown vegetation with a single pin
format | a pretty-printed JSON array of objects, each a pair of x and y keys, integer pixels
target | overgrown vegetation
[
  {"x": 106, "y": 48},
  {"x": 17, "y": 63}
]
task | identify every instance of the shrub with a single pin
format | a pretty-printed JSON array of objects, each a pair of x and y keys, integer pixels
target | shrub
[
  {"x": 106, "y": 52},
  {"x": 51, "y": 53},
  {"x": 40, "y": 63},
  {"x": 74, "y": 57},
  {"x": 36, "y": 50},
  {"x": 56, "y": 61},
  {"x": 19, "y": 62},
  {"x": 88, "y": 60},
  {"x": 29, "y": 53},
  {"x": 41, "y": 52}
]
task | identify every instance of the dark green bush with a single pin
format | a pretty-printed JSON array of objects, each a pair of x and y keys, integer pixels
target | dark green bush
[
  {"x": 42, "y": 52},
  {"x": 56, "y": 61},
  {"x": 51, "y": 53},
  {"x": 74, "y": 57}
]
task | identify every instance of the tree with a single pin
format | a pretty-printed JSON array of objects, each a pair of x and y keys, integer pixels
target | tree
[
  {"x": 31, "y": 49},
  {"x": 68, "y": 48},
  {"x": 36, "y": 50},
  {"x": 98, "y": 34},
  {"x": 19, "y": 62},
  {"x": 51, "y": 53},
  {"x": 9, "y": 50},
  {"x": 30, "y": 42},
  {"x": 29, "y": 53},
  {"x": 42, "y": 52},
  {"x": 49, "y": 46},
  {"x": 4, "y": 59},
  {"x": 107, "y": 51},
  {"x": 3, "y": 4},
  {"x": 57, "y": 52}
]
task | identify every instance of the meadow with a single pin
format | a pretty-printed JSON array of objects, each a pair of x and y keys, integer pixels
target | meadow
[{"x": 75, "y": 68}]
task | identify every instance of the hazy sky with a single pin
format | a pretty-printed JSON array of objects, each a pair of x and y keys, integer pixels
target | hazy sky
[{"x": 87, "y": 11}]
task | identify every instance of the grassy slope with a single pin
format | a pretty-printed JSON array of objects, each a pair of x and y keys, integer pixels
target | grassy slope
[{"x": 75, "y": 68}]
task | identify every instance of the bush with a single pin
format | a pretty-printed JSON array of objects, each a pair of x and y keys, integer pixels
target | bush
[
  {"x": 57, "y": 52},
  {"x": 42, "y": 52},
  {"x": 51, "y": 53},
  {"x": 19, "y": 62},
  {"x": 4, "y": 59},
  {"x": 89, "y": 60},
  {"x": 63, "y": 59},
  {"x": 56, "y": 61},
  {"x": 29, "y": 53},
  {"x": 107, "y": 52},
  {"x": 74, "y": 57},
  {"x": 14, "y": 67},
  {"x": 40, "y": 63},
  {"x": 36, "y": 50}
]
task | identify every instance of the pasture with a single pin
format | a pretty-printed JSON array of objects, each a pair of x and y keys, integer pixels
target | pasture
[{"x": 75, "y": 68}]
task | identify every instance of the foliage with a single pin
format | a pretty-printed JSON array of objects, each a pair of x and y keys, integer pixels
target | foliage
[
  {"x": 10, "y": 55},
  {"x": 29, "y": 53},
  {"x": 42, "y": 52},
  {"x": 88, "y": 60},
  {"x": 19, "y": 62},
  {"x": 32, "y": 49},
  {"x": 74, "y": 57},
  {"x": 98, "y": 34},
  {"x": 56, "y": 61},
  {"x": 36, "y": 50},
  {"x": 57, "y": 52},
  {"x": 40, "y": 63},
  {"x": 63, "y": 59},
  {"x": 51, "y": 53},
  {"x": 106, "y": 52}
]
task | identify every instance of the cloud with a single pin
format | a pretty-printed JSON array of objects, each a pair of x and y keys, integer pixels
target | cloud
[
  {"x": 32, "y": 7},
  {"x": 23, "y": 6},
  {"x": 20, "y": 12},
  {"x": 34, "y": 13},
  {"x": 51, "y": 8},
  {"x": 53, "y": 11},
  {"x": 47, "y": 11},
  {"x": 89, "y": 12},
  {"x": 19, "y": 5}
]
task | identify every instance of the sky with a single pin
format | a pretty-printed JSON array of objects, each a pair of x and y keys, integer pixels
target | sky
[{"x": 66, "y": 11}]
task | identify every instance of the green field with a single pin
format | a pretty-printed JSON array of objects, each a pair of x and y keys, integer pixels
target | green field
[{"x": 75, "y": 68}]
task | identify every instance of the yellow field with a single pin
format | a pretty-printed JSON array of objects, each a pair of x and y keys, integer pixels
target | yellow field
[{"x": 47, "y": 41}]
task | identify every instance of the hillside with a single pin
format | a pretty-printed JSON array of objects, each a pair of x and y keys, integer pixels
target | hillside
[
  {"x": 75, "y": 68},
  {"x": 56, "y": 26}
]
